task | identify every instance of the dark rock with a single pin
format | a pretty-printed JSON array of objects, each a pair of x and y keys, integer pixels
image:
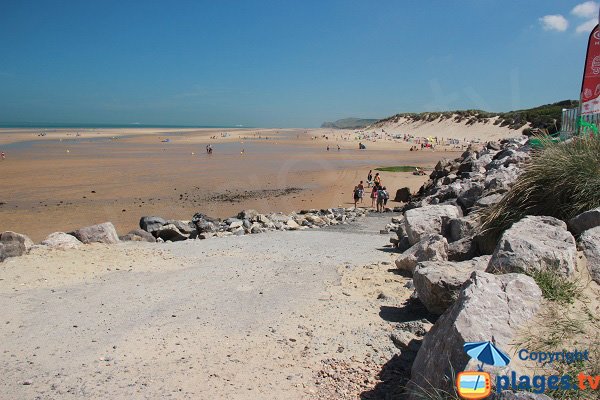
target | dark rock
[
  {"x": 138, "y": 235},
  {"x": 151, "y": 224},
  {"x": 14, "y": 244},
  {"x": 403, "y": 195},
  {"x": 584, "y": 221}
]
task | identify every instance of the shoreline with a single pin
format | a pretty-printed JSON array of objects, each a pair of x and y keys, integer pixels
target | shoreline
[{"x": 48, "y": 189}]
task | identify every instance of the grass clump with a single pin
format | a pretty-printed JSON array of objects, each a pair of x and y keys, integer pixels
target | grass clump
[
  {"x": 555, "y": 287},
  {"x": 562, "y": 180},
  {"x": 398, "y": 168}
]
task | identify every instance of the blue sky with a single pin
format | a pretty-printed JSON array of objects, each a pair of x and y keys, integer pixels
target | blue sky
[{"x": 283, "y": 63}]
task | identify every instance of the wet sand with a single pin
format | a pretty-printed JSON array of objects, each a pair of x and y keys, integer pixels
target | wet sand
[{"x": 61, "y": 181}]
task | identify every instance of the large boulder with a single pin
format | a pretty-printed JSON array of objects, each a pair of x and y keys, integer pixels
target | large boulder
[
  {"x": 186, "y": 227},
  {"x": 101, "y": 233},
  {"x": 151, "y": 224},
  {"x": 535, "y": 243},
  {"x": 462, "y": 250},
  {"x": 170, "y": 232},
  {"x": 489, "y": 307},
  {"x": 14, "y": 244},
  {"x": 428, "y": 220},
  {"x": 589, "y": 242},
  {"x": 584, "y": 221},
  {"x": 138, "y": 235},
  {"x": 403, "y": 195},
  {"x": 61, "y": 241},
  {"x": 430, "y": 248},
  {"x": 462, "y": 227},
  {"x": 438, "y": 283}
]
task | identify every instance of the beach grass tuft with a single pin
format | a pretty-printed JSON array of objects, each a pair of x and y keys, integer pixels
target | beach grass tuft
[{"x": 562, "y": 180}]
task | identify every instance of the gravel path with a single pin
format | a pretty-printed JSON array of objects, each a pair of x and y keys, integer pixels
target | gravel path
[{"x": 249, "y": 317}]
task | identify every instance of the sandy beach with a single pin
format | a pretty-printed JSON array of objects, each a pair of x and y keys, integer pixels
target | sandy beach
[{"x": 76, "y": 177}]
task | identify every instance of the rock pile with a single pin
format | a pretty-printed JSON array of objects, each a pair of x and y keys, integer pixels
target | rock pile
[
  {"x": 478, "y": 286},
  {"x": 246, "y": 222},
  {"x": 155, "y": 229}
]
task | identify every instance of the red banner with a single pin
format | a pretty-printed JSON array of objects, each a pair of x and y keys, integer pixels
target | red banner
[{"x": 590, "y": 88}]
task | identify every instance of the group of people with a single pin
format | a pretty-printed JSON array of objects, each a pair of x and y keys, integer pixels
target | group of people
[
  {"x": 209, "y": 149},
  {"x": 379, "y": 193},
  {"x": 338, "y": 147}
]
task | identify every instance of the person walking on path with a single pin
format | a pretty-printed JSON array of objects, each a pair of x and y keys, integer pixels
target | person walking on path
[
  {"x": 377, "y": 179},
  {"x": 374, "y": 195},
  {"x": 361, "y": 188},
  {"x": 382, "y": 196},
  {"x": 356, "y": 195}
]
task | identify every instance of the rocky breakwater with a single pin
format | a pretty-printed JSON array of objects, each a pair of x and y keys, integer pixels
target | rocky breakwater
[
  {"x": 246, "y": 222},
  {"x": 156, "y": 229},
  {"x": 481, "y": 288}
]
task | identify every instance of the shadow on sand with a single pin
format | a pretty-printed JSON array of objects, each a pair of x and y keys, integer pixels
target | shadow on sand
[{"x": 395, "y": 373}]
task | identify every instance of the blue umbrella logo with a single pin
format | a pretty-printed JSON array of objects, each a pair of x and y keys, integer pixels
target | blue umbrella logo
[{"x": 487, "y": 353}]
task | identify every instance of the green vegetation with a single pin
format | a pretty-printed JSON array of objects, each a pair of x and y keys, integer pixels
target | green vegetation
[
  {"x": 547, "y": 117},
  {"x": 555, "y": 287},
  {"x": 398, "y": 168},
  {"x": 349, "y": 123},
  {"x": 562, "y": 180}
]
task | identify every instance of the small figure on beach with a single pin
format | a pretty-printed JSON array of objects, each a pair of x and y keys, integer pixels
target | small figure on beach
[
  {"x": 338, "y": 147},
  {"x": 374, "y": 195},
  {"x": 370, "y": 178},
  {"x": 356, "y": 195},
  {"x": 327, "y": 147},
  {"x": 377, "y": 179},
  {"x": 361, "y": 189},
  {"x": 382, "y": 197},
  {"x": 2, "y": 155}
]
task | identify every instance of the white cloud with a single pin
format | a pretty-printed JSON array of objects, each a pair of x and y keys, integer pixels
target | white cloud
[
  {"x": 588, "y": 9},
  {"x": 587, "y": 26},
  {"x": 554, "y": 23}
]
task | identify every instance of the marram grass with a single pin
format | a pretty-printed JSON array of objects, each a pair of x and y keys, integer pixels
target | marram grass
[{"x": 561, "y": 180}]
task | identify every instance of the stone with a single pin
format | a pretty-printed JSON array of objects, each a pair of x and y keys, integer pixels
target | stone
[
  {"x": 589, "y": 242},
  {"x": 430, "y": 248},
  {"x": 490, "y": 200},
  {"x": 438, "y": 283},
  {"x": 463, "y": 249},
  {"x": 62, "y": 241},
  {"x": 138, "y": 235},
  {"x": 470, "y": 193},
  {"x": 3, "y": 255},
  {"x": 488, "y": 307},
  {"x": 151, "y": 224},
  {"x": 14, "y": 244},
  {"x": 428, "y": 219},
  {"x": 459, "y": 228},
  {"x": 234, "y": 224},
  {"x": 584, "y": 221},
  {"x": 249, "y": 214},
  {"x": 101, "y": 233},
  {"x": 186, "y": 227},
  {"x": 535, "y": 243},
  {"x": 292, "y": 225},
  {"x": 170, "y": 232},
  {"x": 403, "y": 195}
]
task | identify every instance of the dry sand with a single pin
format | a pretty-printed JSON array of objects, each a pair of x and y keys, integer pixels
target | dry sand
[
  {"x": 49, "y": 184},
  {"x": 253, "y": 317}
]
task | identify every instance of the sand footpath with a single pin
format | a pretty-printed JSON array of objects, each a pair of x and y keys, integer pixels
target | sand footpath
[{"x": 236, "y": 318}]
